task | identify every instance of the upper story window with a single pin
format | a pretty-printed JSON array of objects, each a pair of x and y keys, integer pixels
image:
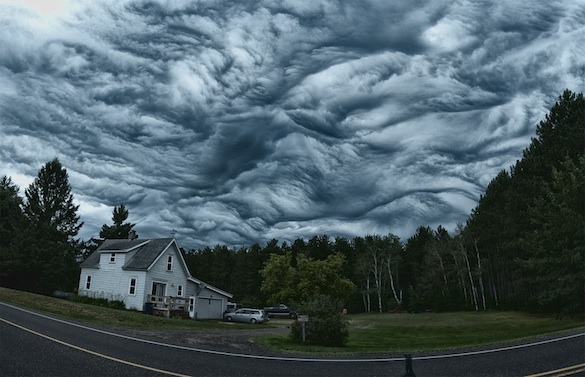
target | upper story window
[
  {"x": 113, "y": 258},
  {"x": 88, "y": 282},
  {"x": 132, "y": 289},
  {"x": 170, "y": 263}
]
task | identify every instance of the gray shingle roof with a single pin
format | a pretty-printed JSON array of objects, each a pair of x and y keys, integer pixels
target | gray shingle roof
[
  {"x": 145, "y": 255},
  {"x": 120, "y": 244}
]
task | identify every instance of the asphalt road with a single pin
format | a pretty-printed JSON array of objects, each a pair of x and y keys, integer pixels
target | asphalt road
[{"x": 37, "y": 345}]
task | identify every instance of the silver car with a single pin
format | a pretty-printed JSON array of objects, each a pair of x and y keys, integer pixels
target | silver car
[{"x": 246, "y": 315}]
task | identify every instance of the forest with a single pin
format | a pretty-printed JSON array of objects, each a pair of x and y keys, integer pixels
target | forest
[{"x": 521, "y": 248}]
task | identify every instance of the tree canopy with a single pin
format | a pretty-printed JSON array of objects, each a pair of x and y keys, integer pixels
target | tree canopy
[
  {"x": 38, "y": 246},
  {"x": 119, "y": 229}
]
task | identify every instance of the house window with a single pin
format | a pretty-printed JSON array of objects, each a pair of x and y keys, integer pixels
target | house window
[
  {"x": 113, "y": 258},
  {"x": 170, "y": 263},
  {"x": 88, "y": 282},
  {"x": 132, "y": 289},
  {"x": 180, "y": 291}
]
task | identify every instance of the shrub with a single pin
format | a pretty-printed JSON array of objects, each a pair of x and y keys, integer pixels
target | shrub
[
  {"x": 326, "y": 326},
  {"x": 112, "y": 304}
]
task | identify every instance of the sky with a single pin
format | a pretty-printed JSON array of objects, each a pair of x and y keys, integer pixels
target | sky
[{"x": 236, "y": 122}]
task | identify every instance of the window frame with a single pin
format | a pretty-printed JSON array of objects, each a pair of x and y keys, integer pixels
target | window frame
[
  {"x": 112, "y": 257},
  {"x": 88, "y": 282},
  {"x": 179, "y": 291},
  {"x": 132, "y": 287},
  {"x": 170, "y": 263}
]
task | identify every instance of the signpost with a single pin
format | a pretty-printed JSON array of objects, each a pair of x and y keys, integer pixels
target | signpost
[{"x": 303, "y": 319}]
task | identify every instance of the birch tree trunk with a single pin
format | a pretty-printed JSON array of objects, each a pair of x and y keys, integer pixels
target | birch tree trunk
[
  {"x": 377, "y": 277},
  {"x": 388, "y": 265},
  {"x": 473, "y": 289},
  {"x": 442, "y": 267},
  {"x": 461, "y": 276},
  {"x": 480, "y": 275}
]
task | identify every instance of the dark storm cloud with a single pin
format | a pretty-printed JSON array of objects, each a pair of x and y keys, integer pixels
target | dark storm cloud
[{"x": 238, "y": 122}]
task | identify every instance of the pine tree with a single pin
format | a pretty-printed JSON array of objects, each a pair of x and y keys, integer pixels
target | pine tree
[
  {"x": 120, "y": 229},
  {"x": 49, "y": 201},
  {"x": 13, "y": 226},
  {"x": 51, "y": 248}
]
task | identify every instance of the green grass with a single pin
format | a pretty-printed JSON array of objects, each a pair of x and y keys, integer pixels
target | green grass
[
  {"x": 107, "y": 316},
  {"x": 368, "y": 333},
  {"x": 402, "y": 332}
]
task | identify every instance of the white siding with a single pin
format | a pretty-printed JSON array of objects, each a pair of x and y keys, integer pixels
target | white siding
[
  {"x": 158, "y": 273},
  {"x": 111, "y": 282}
]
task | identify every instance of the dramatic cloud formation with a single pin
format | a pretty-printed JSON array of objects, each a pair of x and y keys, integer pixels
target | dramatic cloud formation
[{"x": 236, "y": 122}]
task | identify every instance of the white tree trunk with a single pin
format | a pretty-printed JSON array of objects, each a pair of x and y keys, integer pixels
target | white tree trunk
[
  {"x": 442, "y": 266},
  {"x": 377, "y": 278},
  {"x": 480, "y": 276},
  {"x": 398, "y": 299},
  {"x": 473, "y": 289},
  {"x": 461, "y": 275}
]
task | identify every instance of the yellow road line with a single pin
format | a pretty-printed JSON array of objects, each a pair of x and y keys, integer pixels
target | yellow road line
[
  {"x": 94, "y": 353},
  {"x": 561, "y": 372}
]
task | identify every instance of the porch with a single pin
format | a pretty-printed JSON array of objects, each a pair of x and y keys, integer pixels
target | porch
[{"x": 166, "y": 306}]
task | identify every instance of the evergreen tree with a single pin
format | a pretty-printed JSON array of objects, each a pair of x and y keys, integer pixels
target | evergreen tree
[
  {"x": 49, "y": 201},
  {"x": 13, "y": 226},
  {"x": 53, "y": 220},
  {"x": 529, "y": 224},
  {"x": 120, "y": 229}
]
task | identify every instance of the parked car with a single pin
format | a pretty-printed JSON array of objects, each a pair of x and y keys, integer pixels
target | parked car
[
  {"x": 247, "y": 315},
  {"x": 280, "y": 311}
]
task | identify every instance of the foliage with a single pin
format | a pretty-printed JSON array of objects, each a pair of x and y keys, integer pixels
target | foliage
[
  {"x": 13, "y": 227},
  {"x": 285, "y": 283},
  {"x": 39, "y": 249},
  {"x": 120, "y": 229},
  {"x": 529, "y": 224},
  {"x": 326, "y": 326},
  {"x": 105, "y": 303},
  {"x": 49, "y": 202}
]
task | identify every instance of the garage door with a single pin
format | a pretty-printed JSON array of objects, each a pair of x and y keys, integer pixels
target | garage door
[{"x": 209, "y": 308}]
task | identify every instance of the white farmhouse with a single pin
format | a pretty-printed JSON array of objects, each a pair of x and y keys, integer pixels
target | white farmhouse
[{"x": 149, "y": 275}]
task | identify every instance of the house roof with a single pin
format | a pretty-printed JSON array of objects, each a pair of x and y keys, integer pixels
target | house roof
[
  {"x": 147, "y": 251},
  {"x": 147, "y": 254},
  {"x": 210, "y": 287},
  {"x": 120, "y": 245}
]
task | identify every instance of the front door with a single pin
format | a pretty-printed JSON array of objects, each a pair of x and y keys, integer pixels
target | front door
[{"x": 158, "y": 293}]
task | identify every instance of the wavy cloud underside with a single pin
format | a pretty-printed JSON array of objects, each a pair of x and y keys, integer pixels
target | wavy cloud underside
[{"x": 238, "y": 122}]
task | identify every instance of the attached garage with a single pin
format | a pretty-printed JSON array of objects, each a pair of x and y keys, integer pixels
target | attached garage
[
  {"x": 208, "y": 307},
  {"x": 206, "y": 301}
]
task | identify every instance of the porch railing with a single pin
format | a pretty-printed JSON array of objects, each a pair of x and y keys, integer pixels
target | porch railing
[{"x": 167, "y": 303}]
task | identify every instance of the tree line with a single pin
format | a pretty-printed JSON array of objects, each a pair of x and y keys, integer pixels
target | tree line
[{"x": 522, "y": 246}]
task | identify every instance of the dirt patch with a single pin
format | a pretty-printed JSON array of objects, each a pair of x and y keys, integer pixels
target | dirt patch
[{"x": 221, "y": 340}]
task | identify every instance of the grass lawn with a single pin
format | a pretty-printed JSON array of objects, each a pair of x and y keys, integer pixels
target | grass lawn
[
  {"x": 403, "y": 332},
  {"x": 106, "y": 316}
]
